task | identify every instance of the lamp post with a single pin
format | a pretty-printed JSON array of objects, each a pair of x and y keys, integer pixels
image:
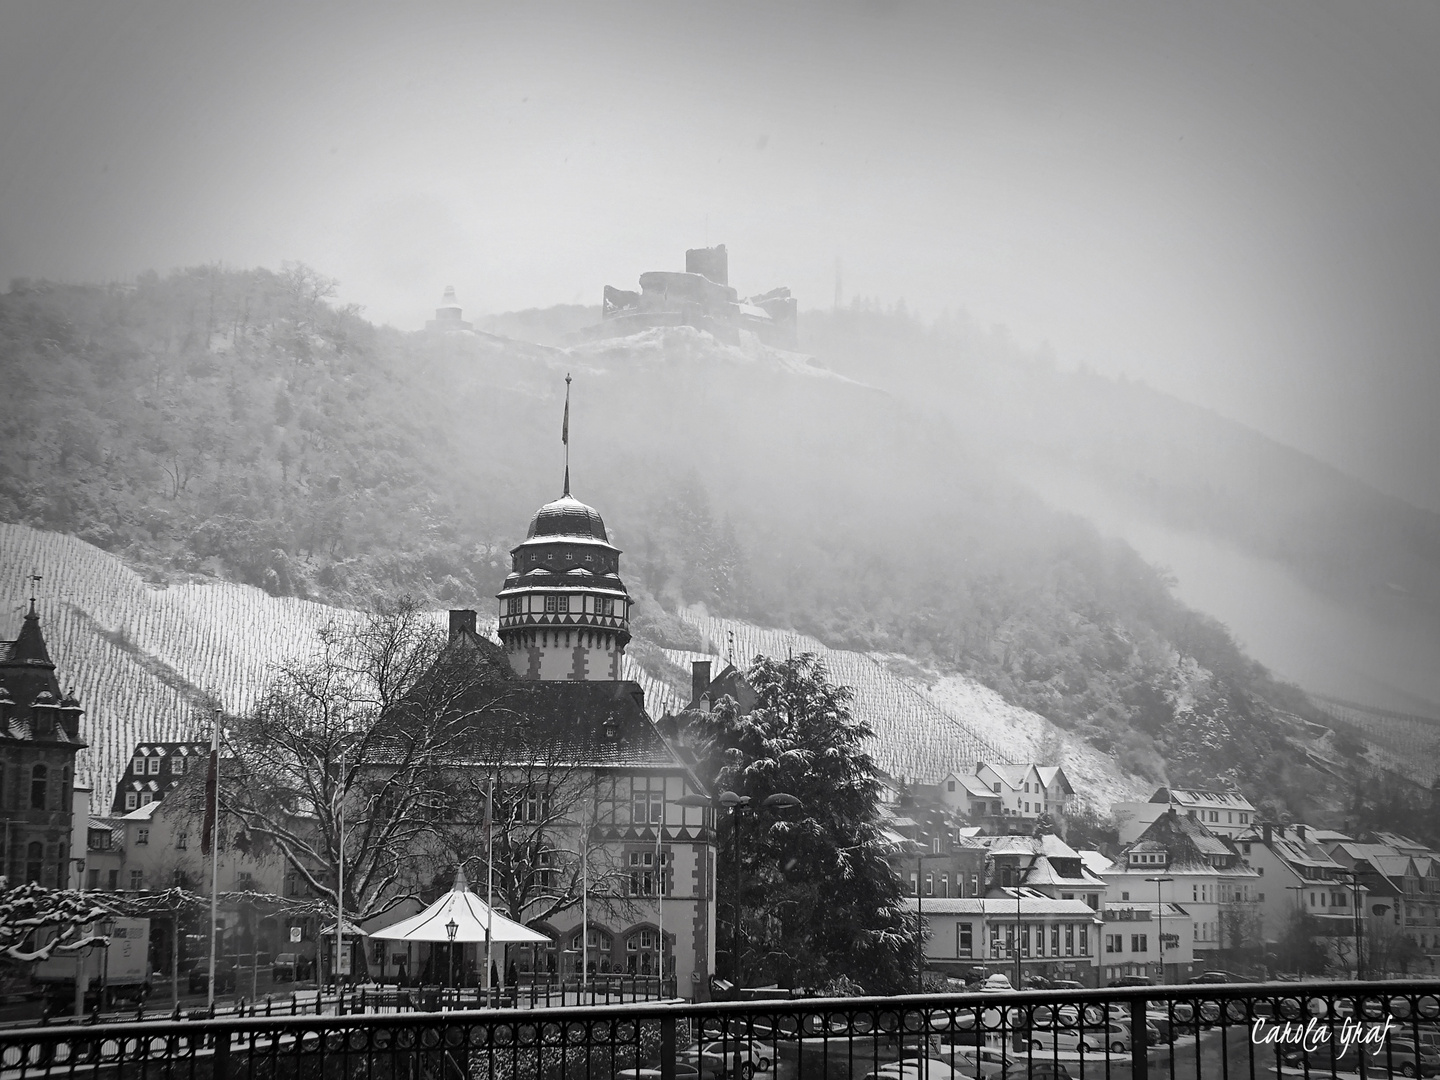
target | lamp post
[
  {"x": 920, "y": 918},
  {"x": 1299, "y": 891},
  {"x": 451, "y": 928},
  {"x": 1160, "y": 920},
  {"x": 735, "y": 803}
]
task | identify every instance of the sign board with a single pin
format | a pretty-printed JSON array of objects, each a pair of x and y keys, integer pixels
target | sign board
[
  {"x": 295, "y": 933},
  {"x": 344, "y": 961}
]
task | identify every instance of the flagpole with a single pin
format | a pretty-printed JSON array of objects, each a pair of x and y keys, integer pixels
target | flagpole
[
  {"x": 565, "y": 433},
  {"x": 660, "y": 888},
  {"x": 214, "y": 810},
  {"x": 489, "y": 884},
  {"x": 340, "y": 878}
]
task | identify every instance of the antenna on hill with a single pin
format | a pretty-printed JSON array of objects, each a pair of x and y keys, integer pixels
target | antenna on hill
[{"x": 565, "y": 433}]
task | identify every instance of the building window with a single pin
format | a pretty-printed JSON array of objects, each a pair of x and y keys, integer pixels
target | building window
[
  {"x": 1055, "y": 940},
  {"x": 930, "y": 883},
  {"x": 647, "y": 807},
  {"x": 1112, "y": 943},
  {"x": 139, "y": 766},
  {"x": 964, "y": 939},
  {"x": 34, "y": 860},
  {"x": 137, "y": 880},
  {"x": 515, "y": 605},
  {"x": 92, "y": 880},
  {"x": 1069, "y": 939},
  {"x": 39, "y": 777},
  {"x": 1139, "y": 943},
  {"x": 950, "y": 785},
  {"x": 146, "y": 798},
  {"x": 182, "y": 841},
  {"x": 154, "y": 767},
  {"x": 142, "y": 836},
  {"x": 177, "y": 766},
  {"x": 557, "y": 604},
  {"x": 132, "y": 799},
  {"x": 1084, "y": 940}
]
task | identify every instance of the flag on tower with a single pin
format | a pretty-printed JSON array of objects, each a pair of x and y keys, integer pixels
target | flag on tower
[{"x": 565, "y": 427}]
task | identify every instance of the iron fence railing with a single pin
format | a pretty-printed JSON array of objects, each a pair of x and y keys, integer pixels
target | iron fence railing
[{"x": 1209, "y": 1032}]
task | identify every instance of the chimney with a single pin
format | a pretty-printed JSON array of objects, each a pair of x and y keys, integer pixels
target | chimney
[
  {"x": 461, "y": 621},
  {"x": 1280, "y": 831},
  {"x": 1268, "y": 831},
  {"x": 699, "y": 680},
  {"x": 1300, "y": 832}
]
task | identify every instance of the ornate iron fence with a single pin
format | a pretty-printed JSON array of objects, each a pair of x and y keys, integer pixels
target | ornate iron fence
[{"x": 1136, "y": 1033}]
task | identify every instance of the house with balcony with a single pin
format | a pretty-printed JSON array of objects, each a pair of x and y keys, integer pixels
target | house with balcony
[
  {"x": 1178, "y": 860},
  {"x": 1401, "y": 879},
  {"x": 1007, "y": 798},
  {"x": 1153, "y": 940},
  {"x": 1298, "y": 876}
]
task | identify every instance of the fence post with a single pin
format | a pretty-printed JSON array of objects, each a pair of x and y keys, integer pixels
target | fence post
[
  {"x": 220, "y": 1064},
  {"x": 667, "y": 1048},
  {"x": 1139, "y": 1040}
]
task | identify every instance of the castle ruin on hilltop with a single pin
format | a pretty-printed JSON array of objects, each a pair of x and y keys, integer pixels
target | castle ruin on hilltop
[{"x": 701, "y": 297}]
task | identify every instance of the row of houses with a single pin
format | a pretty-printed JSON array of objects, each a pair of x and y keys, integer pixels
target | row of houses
[{"x": 1198, "y": 883}]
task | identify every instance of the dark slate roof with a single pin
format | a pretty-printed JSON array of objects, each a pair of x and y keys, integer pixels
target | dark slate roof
[
  {"x": 567, "y": 516},
  {"x": 1189, "y": 843},
  {"x": 27, "y": 678},
  {"x": 585, "y": 723}
]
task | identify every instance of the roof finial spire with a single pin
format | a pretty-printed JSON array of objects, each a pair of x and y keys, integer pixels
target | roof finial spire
[
  {"x": 565, "y": 434},
  {"x": 35, "y": 580}
]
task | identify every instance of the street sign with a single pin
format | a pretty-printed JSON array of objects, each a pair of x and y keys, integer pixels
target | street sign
[{"x": 295, "y": 933}]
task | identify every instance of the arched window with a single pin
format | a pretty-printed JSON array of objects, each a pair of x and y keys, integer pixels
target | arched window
[
  {"x": 39, "y": 777},
  {"x": 34, "y": 857}
]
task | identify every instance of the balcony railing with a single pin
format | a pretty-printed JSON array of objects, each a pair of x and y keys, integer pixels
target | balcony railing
[{"x": 1209, "y": 1032}]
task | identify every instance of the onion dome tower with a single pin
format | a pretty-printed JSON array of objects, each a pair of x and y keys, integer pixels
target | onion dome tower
[{"x": 564, "y": 612}]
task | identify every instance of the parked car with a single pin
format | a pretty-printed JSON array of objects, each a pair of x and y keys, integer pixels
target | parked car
[
  {"x": 198, "y": 980},
  {"x": 1036, "y": 1070},
  {"x": 982, "y": 1062},
  {"x": 1066, "y": 984},
  {"x": 996, "y": 984},
  {"x": 727, "y": 1058},
  {"x": 1133, "y": 980},
  {"x": 652, "y": 1072},
  {"x": 1403, "y": 1056},
  {"x": 1112, "y": 1036},
  {"x": 918, "y": 1069},
  {"x": 283, "y": 970}
]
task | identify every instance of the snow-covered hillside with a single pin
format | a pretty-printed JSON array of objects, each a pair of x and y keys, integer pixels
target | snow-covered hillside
[{"x": 144, "y": 660}]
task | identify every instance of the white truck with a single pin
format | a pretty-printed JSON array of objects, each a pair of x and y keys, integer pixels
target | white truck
[{"x": 119, "y": 971}]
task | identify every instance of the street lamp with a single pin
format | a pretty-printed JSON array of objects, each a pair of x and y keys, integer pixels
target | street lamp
[
  {"x": 1299, "y": 891},
  {"x": 920, "y": 918},
  {"x": 1160, "y": 921},
  {"x": 735, "y": 803},
  {"x": 451, "y": 928}
]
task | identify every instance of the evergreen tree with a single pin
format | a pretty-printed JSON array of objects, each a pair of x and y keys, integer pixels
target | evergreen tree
[{"x": 818, "y": 899}]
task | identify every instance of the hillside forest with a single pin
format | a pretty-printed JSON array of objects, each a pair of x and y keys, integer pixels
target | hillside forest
[{"x": 237, "y": 425}]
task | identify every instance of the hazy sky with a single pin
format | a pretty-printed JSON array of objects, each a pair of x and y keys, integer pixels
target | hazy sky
[{"x": 1237, "y": 202}]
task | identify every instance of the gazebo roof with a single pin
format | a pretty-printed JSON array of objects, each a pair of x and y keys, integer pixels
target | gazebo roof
[{"x": 474, "y": 920}]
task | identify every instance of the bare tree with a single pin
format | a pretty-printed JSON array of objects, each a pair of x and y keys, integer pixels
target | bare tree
[
  {"x": 536, "y": 845},
  {"x": 352, "y": 741}
]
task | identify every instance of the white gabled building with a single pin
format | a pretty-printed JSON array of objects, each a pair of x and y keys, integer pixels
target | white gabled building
[
  {"x": 1134, "y": 934},
  {"x": 1008, "y": 796},
  {"x": 1225, "y": 813},
  {"x": 1057, "y": 939}
]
